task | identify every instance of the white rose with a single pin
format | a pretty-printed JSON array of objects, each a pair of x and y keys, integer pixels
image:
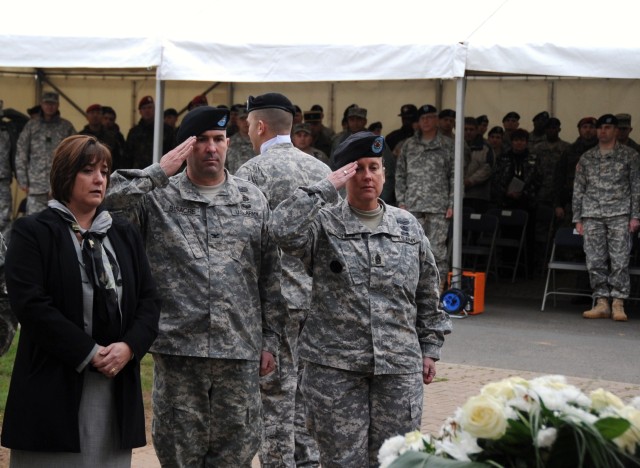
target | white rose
[
  {"x": 484, "y": 416},
  {"x": 601, "y": 399},
  {"x": 390, "y": 450},
  {"x": 631, "y": 437}
]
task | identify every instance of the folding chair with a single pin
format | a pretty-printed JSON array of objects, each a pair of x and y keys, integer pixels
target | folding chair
[
  {"x": 545, "y": 220},
  {"x": 511, "y": 239},
  {"x": 566, "y": 241},
  {"x": 479, "y": 232}
]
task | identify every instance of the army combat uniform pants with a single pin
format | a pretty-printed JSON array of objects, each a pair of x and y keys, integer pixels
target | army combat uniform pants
[
  {"x": 606, "y": 247},
  {"x": 436, "y": 228},
  {"x": 286, "y": 442},
  {"x": 206, "y": 412},
  {"x": 352, "y": 413}
]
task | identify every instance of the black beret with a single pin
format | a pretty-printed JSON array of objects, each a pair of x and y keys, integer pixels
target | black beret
[
  {"x": 553, "y": 122},
  {"x": 427, "y": 109},
  {"x": 359, "y": 145},
  {"x": 544, "y": 115},
  {"x": 511, "y": 115},
  {"x": 270, "y": 101},
  {"x": 607, "y": 119},
  {"x": 447, "y": 113},
  {"x": 202, "y": 119},
  {"x": 519, "y": 134},
  {"x": 170, "y": 111},
  {"x": 408, "y": 110},
  {"x": 312, "y": 116}
]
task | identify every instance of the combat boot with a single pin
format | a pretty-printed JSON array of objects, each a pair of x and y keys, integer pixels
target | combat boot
[
  {"x": 600, "y": 310},
  {"x": 618, "y": 310}
]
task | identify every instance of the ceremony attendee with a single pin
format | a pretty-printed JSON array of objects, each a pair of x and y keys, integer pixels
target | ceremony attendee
[
  {"x": 409, "y": 116},
  {"x": 606, "y": 209},
  {"x": 279, "y": 169},
  {"x": 624, "y": 129},
  {"x": 80, "y": 284},
  {"x": 302, "y": 139},
  {"x": 424, "y": 183},
  {"x": 36, "y": 144},
  {"x": 447, "y": 122},
  {"x": 109, "y": 122},
  {"x": 96, "y": 128},
  {"x": 375, "y": 330},
  {"x": 240, "y": 146},
  {"x": 139, "y": 144},
  {"x": 206, "y": 236},
  {"x": 321, "y": 135},
  {"x": 478, "y": 167}
]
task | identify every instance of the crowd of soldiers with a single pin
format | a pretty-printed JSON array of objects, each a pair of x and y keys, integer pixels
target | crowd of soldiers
[{"x": 228, "y": 217}]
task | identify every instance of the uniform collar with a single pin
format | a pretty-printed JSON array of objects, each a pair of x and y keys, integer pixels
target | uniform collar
[{"x": 229, "y": 195}]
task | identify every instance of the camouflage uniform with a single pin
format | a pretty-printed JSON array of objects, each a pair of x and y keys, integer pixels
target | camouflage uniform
[
  {"x": 374, "y": 317},
  {"x": 565, "y": 173},
  {"x": 478, "y": 166},
  {"x": 37, "y": 141},
  {"x": 278, "y": 172},
  {"x": 8, "y": 321},
  {"x": 548, "y": 154},
  {"x": 319, "y": 155},
  {"x": 239, "y": 152},
  {"x": 139, "y": 144},
  {"x": 219, "y": 278},
  {"x": 606, "y": 195},
  {"x": 5, "y": 180},
  {"x": 424, "y": 185}
]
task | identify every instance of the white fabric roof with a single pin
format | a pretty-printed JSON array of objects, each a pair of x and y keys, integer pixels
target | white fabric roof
[{"x": 330, "y": 40}]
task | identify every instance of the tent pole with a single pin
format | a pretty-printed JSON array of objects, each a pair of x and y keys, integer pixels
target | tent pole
[
  {"x": 456, "y": 256},
  {"x": 158, "y": 123}
]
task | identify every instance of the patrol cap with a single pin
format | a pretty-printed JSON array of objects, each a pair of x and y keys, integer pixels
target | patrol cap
[
  {"x": 587, "y": 120},
  {"x": 447, "y": 113},
  {"x": 544, "y": 115},
  {"x": 511, "y": 115},
  {"x": 607, "y": 119},
  {"x": 357, "y": 112},
  {"x": 241, "y": 112},
  {"x": 553, "y": 122},
  {"x": 519, "y": 134},
  {"x": 202, "y": 119},
  {"x": 301, "y": 128},
  {"x": 312, "y": 116},
  {"x": 94, "y": 108},
  {"x": 270, "y": 101},
  {"x": 427, "y": 109},
  {"x": 482, "y": 119},
  {"x": 624, "y": 120},
  {"x": 144, "y": 101},
  {"x": 408, "y": 110},
  {"x": 50, "y": 97},
  {"x": 359, "y": 145},
  {"x": 496, "y": 129}
]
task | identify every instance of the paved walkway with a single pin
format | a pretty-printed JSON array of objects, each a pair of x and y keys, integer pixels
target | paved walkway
[{"x": 455, "y": 383}]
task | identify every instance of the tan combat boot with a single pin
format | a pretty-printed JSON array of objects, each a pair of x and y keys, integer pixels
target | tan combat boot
[
  {"x": 618, "y": 310},
  {"x": 600, "y": 310}
]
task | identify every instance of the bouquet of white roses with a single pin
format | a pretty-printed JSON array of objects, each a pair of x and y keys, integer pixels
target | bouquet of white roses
[{"x": 543, "y": 422}]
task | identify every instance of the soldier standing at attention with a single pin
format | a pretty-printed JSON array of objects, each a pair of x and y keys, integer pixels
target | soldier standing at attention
[
  {"x": 606, "y": 209},
  {"x": 424, "y": 182},
  {"x": 218, "y": 273},
  {"x": 38, "y": 139},
  {"x": 374, "y": 330},
  {"x": 278, "y": 171},
  {"x": 240, "y": 147}
]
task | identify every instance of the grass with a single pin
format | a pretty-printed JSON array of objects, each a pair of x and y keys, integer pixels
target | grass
[{"x": 6, "y": 367}]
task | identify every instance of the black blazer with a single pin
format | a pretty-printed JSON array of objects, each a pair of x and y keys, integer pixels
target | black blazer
[{"x": 45, "y": 291}]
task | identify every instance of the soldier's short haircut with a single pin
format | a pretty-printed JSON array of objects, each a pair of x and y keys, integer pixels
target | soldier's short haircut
[
  {"x": 70, "y": 157},
  {"x": 278, "y": 120}
]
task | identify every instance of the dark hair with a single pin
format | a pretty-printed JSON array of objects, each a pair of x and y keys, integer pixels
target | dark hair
[
  {"x": 108, "y": 110},
  {"x": 70, "y": 156},
  {"x": 498, "y": 130}
]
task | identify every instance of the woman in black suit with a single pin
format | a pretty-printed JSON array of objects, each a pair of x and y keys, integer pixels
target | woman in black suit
[{"x": 79, "y": 283}]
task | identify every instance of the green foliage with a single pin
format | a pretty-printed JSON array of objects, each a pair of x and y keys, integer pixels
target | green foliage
[{"x": 413, "y": 459}]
